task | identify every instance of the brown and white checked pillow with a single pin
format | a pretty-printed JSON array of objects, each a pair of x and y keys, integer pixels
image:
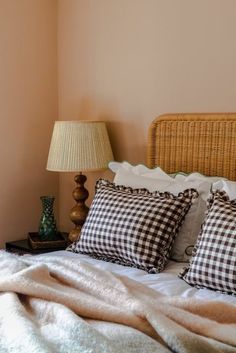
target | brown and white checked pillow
[
  {"x": 132, "y": 227},
  {"x": 213, "y": 264}
]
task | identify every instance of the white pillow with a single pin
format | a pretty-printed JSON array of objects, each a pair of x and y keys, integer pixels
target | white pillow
[
  {"x": 140, "y": 169},
  {"x": 198, "y": 177},
  {"x": 228, "y": 186},
  {"x": 188, "y": 233},
  {"x": 128, "y": 178}
]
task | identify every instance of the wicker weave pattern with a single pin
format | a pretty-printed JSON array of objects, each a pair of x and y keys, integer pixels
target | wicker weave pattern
[{"x": 194, "y": 142}]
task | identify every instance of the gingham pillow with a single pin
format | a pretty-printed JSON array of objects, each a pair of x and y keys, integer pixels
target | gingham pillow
[
  {"x": 213, "y": 264},
  {"x": 132, "y": 227}
]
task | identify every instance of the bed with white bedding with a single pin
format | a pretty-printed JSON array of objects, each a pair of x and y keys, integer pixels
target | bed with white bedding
[
  {"x": 167, "y": 282},
  {"x": 135, "y": 301}
]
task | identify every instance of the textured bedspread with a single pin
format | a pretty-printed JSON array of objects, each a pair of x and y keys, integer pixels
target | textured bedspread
[{"x": 50, "y": 304}]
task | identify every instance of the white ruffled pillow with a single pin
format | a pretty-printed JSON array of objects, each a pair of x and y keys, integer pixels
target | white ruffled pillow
[
  {"x": 226, "y": 185},
  {"x": 197, "y": 177},
  {"x": 140, "y": 169},
  {"x": 129, "y": 178}
]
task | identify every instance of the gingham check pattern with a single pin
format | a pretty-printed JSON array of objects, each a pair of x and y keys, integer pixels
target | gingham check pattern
[
  {"x": 213, "y": 264},
  {"x": 132, "y": 226}
]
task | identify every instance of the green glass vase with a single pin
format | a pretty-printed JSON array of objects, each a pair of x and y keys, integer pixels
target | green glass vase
[{"x": 47, "y": 226}]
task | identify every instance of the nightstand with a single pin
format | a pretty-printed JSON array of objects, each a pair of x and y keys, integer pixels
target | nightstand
[{"x": 22, "y": 247}]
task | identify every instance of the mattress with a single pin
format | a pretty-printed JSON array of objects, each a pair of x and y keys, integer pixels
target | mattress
[{"x": 167, "y": 282}]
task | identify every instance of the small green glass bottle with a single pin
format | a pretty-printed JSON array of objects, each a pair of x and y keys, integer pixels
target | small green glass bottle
[{"x": 47, "y": 226}]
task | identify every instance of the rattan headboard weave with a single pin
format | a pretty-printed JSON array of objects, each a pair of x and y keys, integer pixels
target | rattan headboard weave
[{"x": 194, "y": 142}]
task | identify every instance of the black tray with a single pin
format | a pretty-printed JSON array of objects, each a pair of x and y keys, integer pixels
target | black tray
[{"x": 36, "y": 243}]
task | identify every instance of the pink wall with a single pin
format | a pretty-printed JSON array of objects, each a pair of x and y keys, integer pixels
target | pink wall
[
  {"x": 28, "y": 107},
  {"x": 121, "y": 61},
  {"x": 128, "y": 61}
]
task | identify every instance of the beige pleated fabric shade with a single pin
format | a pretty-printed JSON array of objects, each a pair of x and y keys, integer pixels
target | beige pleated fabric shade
[{"x": 78, "y": 146}]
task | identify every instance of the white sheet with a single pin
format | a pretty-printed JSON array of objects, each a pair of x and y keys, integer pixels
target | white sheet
[{"x": 166, "y": 282}]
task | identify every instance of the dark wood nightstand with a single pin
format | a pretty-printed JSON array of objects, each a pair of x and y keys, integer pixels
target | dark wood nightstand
[{"x": 22, "y": 247}]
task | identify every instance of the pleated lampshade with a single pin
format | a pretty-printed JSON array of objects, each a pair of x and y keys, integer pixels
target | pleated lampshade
[{"x": 78, "y": 146}]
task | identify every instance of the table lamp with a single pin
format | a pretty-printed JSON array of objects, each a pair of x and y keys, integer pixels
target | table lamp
[{"x": 79, "y": 146}]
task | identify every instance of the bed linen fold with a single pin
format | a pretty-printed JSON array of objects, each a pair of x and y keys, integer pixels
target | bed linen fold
[{"x": 54, "y": 304}]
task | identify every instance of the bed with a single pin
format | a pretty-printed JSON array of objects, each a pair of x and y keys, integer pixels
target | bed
[{"x": 70, "y": 302}]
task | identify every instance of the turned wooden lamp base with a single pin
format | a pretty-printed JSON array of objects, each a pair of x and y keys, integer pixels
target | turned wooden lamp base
[{"x": 80, "y": 211}]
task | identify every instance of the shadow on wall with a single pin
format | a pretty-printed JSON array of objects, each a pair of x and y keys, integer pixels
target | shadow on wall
[
  {"x": 127, "y": 142},
  {"x": 127, "y": 136}
]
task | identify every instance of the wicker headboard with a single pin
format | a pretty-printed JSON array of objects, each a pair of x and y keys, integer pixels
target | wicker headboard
[{"x": 194, "y": 142}]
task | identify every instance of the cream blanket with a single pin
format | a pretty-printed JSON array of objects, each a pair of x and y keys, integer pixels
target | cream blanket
[{"x": 51, "y": 304}]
